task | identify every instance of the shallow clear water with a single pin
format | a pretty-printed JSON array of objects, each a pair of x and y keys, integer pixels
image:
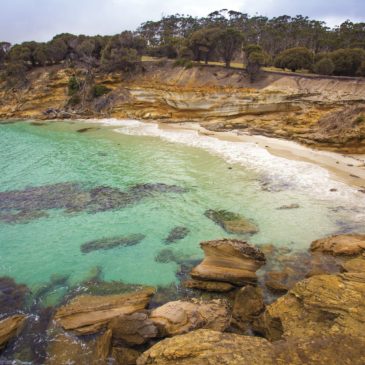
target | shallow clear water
[{"x": 257, "y": 184}]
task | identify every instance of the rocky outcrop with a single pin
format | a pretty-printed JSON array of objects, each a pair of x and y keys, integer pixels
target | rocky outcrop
[
  {"x": 231, "y": 261},
  {"x": 179, "y": 317},
  {"x": 9, "y": 328},
  {"x": 330, "y": 304},
  {"x": 206, "y": 347},
  {"x": 347, "y": 244},
  {"x": 354, "y": 265},
  {"x": 88, "y": 314},
  {"x": 231, "y": 222},
  {"x": 248, "y": 305},
  {"x": 133, "y": 329}
]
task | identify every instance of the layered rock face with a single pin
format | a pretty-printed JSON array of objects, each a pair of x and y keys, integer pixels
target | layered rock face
[
  {"x": 346, "y": 245},
  {"x": 320, "y": 111},
  {"x": 179, "y": 317},
  {"x": 231, "y": 261},
  {"x": 87, "y": 314},
  {"x": 328, "y": 304},
  {"x": 10, "y": 327}
]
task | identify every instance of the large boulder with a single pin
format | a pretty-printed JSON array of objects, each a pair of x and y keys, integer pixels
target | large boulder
[
  {"x": 206, "y": 347},
  {"x": 10, "y": 327},
  {"x": 133, "y": 329},
  {"x": 233, "y": 261},
  {"x": 330, "y": 304},
  {"x": 87, "y": 314},
  {"x": 231, "y": 222},
  {"x": 248, "y": 305},
  {"x": 344, "y": 244},
  {"x": 179, "y": 317}
]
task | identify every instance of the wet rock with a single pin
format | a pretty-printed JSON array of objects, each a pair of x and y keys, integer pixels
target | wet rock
[
  {"x": 147, "y": 189},
  {"x": 10, "y": 327},
  {"x": 346, "y": 244},
  {"x": 133, "y": 329},
  {"x": 212, "y": 286},
  {"x": 231, "y": 222},
  {"x": 12, "y": 295},
  {"x": 125, "y": 356},
  {"x": 290, "y": 206},
  {"x": 328, "y": 304},
  {"x": 203, "y": 347},
  {"x": 354, "y": 265},
  {"x": 112, "y": 242},
  {"x": 176, "y": 234},
  {"x": 248, "y": 305},
  {"x": 280, "y": 282},
  {"x": 179, "y": 317},
  {"x": 231, "y": 261},
  {"x": 88, "y": 314},
  {"x": 42, "y": 290},
  {"x": 65, "y": 349}
]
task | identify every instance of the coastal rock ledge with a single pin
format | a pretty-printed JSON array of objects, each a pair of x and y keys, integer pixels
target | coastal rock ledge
[
  {"x": 232, "y": 261},
  {"x": 344, "y": 244}
]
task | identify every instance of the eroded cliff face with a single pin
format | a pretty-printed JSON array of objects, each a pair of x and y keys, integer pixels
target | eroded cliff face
[{"x": 327, "y": 113}]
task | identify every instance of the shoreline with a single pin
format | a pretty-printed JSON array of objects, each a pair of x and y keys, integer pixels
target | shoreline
[{"x": 348, "y": 169}]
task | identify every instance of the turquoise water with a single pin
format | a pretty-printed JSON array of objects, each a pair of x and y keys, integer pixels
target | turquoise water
[{"x": 32, "y": 156}]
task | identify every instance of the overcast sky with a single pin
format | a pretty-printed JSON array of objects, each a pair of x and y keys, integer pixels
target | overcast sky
[{"x": 40, "y": 20}]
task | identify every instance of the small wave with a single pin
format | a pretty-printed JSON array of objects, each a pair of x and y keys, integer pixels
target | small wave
[{"x": 276, "y": 172}]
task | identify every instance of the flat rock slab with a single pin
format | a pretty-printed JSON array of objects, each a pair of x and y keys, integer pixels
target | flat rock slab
[
  {"x": 232, "y": 261},
  {"x": 87, "y": 314}
]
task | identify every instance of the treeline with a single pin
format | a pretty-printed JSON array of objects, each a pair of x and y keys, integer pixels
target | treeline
[{"x": 286, "y": 42}]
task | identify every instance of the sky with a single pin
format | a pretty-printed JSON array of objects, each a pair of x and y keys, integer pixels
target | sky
[{"x": 40, "y": 20}]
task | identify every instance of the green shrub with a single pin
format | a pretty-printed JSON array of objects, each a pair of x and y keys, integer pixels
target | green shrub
[
  {"x": 347, "y": 61},
  {"x": 324, "y": 66},
  {"x": 73, "y": 85},
  {"x": 295, "y": 59},
  {"x": 100, "y": 90},
  {"x": 360, "y": 119}
]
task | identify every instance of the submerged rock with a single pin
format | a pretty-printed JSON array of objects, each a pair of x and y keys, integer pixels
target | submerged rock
[
  {"x": 10, "y": 327},
  {"x": 176, "y": 234},
  {"x": 23, "y": 205},
  {"x": 203, "y": 347},
  {"x": 289, "y": 206},
  {"x": 65, "y": 349},
  {"x": 12, "y": 295},
  {"x": 179, "y": 317},
  {"x": 22, "y": 217},
  {"x": 166, "y": 255},
  {"x": 328, "y": 304},
  {"x": 125, "y": 355},
  {"x": 346, "y": 244},
  {"x": 231, "y": 222},
  {"x": 231, "y": 261},
  {"x": 87, "y": 129},
  {"x": 88, "y": 314},
  {"x": 112, "y": 242}
]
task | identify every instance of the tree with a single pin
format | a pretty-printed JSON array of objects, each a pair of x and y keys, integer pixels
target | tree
[
  {"x": 324, "y": 66},
  {"x": 203, "y": 43},
  {"x": 255, "y": 58},
  {"x": 347, "y": 61},
  {"x": 123, "y": 52},
  {"x": 229, "y": 41},
  {"x": 361, "y": 70},
  {"x": 295, "y": 59}
]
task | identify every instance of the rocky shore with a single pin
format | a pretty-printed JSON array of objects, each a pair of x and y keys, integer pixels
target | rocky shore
[
  {"x": 325, "y": 113},
  {"x": 233, "y": 312}
]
